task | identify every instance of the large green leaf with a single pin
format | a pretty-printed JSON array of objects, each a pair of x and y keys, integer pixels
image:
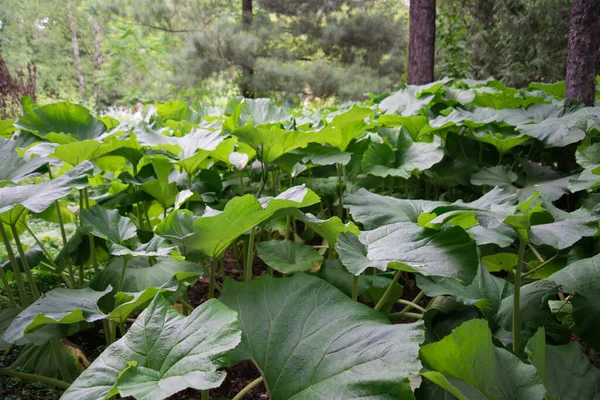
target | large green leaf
[
  {"x": 126, "y": 303},
  {"x": 560, "y": 131},
  {"x": 568, "y": 229},
  {"x": 66, "y": 118},
  {"x": 551, "y": 184},
  {"x": 108, "y": 224},
  {"x": 77, "y": 152},
  {"x": 406, "y": 101},
  {"x": 589, "y": 159},
  {"x": 311, "y": 341},
  {"x": 401, "y": 156},
  {"x": 406, "y": 246},
  {"x": 161, "y": 188},
  {"x": 534, "y": 310},
  {"x": 373, "y": 210},
  {"x": 272, "y": 140},
  {"x": 260, "y": 111},
  {"x": 38, "y": 197},
  {"x": 287, "y": 256},
  {"x": 483, "y": 218},
  {"x": 214, "y": 232},
  {"x": 58, "y": 306},
  {"x": 486, "y": 291},
  {"x": 580, "y": 380},
  {"x": 467, "y": 364},
  {"x": 14, "y": 168},
  {"x": 163, "y": 353},
  {"x": 329, "y": 229},
  {"x": 344, "y": 128},
  {"x": 141, "y": 273},
  {"x": 583, "y": 279}
]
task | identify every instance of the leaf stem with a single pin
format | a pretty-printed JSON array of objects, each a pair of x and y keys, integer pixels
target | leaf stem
[
  {"x": 212, "y": 282},
  {"x": 414, "y": 301},
  {"x": 407, "y": 315},
  {"x": 32, "y": 285},
  {"x": 90, "y": 237},
  {"x": 35, "y": 378},
  {"x": 248, "y": 388},
  {"x": 15, "y": 265},
  {"x": 249, "y": 257},
  {"x": 340, "y": 192},
  {"x": 355, "y": 287},
  {"x": 11, "y": 297},
  {"x": 388, "y": 292},
  {"x": 63, "y": 233},
  {"x": 410, "y": 304},
  {"x": 536, "y": 253},
  {"x": 517, "y": 298}
]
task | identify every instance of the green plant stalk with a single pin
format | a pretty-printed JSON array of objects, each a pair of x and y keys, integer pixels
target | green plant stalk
[
  {"x": 11, "y": 297},
  {"x": 32, "y": 285},
  {"x": 536, "y": 253},
  {"x": 242, "y": 189},
  {"x": 355, "y": 287},
  {"x": 517, "y": 298},
  {"x": 249, "y": 257},
  {"x": 35, "y": 378},
  {"x": 248, "y": 388},
  {"x": 408, "y": 315},
  {"x": 388, "y": 292},
  {"x": 185, "y": 305},
  {"x": 71, "y": 282},
  {"x": 416, "y": 300},
  {"x": 212, "y": 282},
  {"x": 67, "y": 281},
  {"x": 15, "y": 265},
  {"x": 41, "y": 244},
  {"x": 204, "y": 395},
  {"x": 62, "y": 367},
  {"x": 410, "y": 304},
  {"x": 106, "y": 326},
  {"x": 340, "y": 192},
  {"x": 63, "y": 232},
  {"x": 288, "y": 228},
  {"x": 90, "y": 237},
  {"x": 542, "y": 265}
]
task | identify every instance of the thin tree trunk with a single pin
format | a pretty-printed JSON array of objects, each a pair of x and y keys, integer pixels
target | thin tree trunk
[
  {"x": 421, "y": 47},
  {"x": 584, "y": 39},
  {"x": 97, "y": 43},
  {"x": 247, "y": 67},
  {"x": 75, "y": 48}
]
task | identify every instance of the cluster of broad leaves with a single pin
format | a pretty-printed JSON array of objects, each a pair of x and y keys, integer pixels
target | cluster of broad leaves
[{"x": 464, "y": 189}]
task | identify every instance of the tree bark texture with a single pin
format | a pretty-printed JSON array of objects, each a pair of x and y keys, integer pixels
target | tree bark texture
[
  {"x": 421, "y": 46},
  {"x": 584, "y": 42},
  {"x": 247, "y": 67},
  {"x": 76, "y": 57}
]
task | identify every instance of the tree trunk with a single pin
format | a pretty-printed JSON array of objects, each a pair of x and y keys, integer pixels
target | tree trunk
[
  {"x": 247, "y": 67},
  {"x": 584, "y": 39},
  {"x": 421, "y": 47},
  {"x": 97, "y": 53},
  {"x": 75, "y": 48}
]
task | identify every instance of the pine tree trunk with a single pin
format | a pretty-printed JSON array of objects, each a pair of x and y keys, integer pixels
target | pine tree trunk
[
  {"x": 247, "y": 67},
  {"x": 97, "y": 43},
  {"x": 584, "y": 40},
  {"x": 421, "y": 47},
  {"x": 75, "y": 48}
]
